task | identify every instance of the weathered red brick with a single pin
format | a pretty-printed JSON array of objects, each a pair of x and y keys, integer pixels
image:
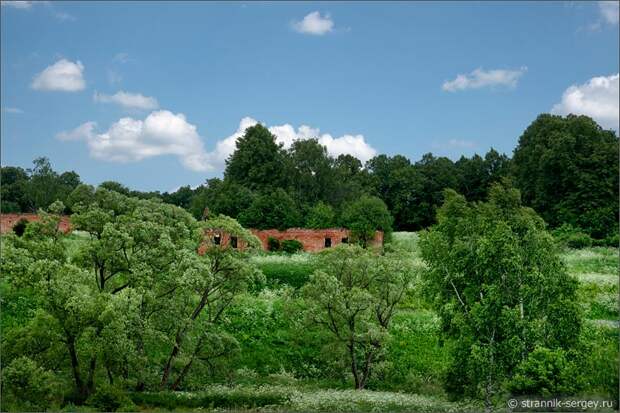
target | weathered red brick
[
  {"x": 313, "y": 240},
  {"x": 8, "y": 221}
]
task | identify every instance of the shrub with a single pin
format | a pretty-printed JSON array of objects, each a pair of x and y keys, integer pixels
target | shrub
[
  {"x": 546, "y": 373},
  {"x": 612, "y": 240},
  {"x": 20, "y": 227},
  {"x": 291, "y": 246},
  {"x": 28, "y": 384},
  {"x": 109, "y": 399},
  {"x": 273, "y": 244},
  {"x": 579, "y": 240},
  {"x": 572, "y": 237}
]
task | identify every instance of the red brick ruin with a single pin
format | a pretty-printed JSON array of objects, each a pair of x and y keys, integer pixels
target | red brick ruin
[
  {"x": 8, "y": 221},
  {"x": 313, "y": 240}
]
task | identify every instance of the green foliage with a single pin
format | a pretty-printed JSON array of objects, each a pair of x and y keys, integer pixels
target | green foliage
[
  {"x": 110, "y": 399},
  {"x": 567, "y": 170},
  {"x": 354, "y": 295},
  {"x": 273, "y": 244},
  {"x": 546, "y": 373},
  {"x": 598, "y": 359},
  {"x": 115, "y": 186},
  {"x": 28, "y": 384},
  {"x": 82, "y": 195},
  {"x": 417, "y": 359},
  {"x": 13, "y": 190},
  {"x": 223, "y": 197},
  {"x": 35, "y": 188},
  {"x": 500, "y": 288},
  {"x": 321, "y": 216},
  {"x": 312, "y": 178},
  {"x": 365, "y": 216},
  {"x": 258, "y": 162},
  {"x": 291, "y": 246},
  {"x": 132, "y": 300},
  {"x": 275, "y": 209}
]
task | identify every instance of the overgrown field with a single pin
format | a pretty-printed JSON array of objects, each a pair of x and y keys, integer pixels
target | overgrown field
[
  {"x": 279, "y": 366},
  {"x": 281, "y": 363}
]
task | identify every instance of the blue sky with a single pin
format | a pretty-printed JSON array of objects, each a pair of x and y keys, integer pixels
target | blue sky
[{"x": 154, "y": 94}]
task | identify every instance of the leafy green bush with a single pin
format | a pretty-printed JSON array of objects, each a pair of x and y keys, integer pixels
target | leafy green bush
[
  {"x": 546, "y": 373},
  {"x": 579, "y": 240},
  {"x": 291, "y": 246},
  {"x": 572, "y": 237},
  {"x": 28, "y": 385},
  {"x": 109, "y": 399},
  {"x": 612, "y": 240},
  {"x": 20, "y": 227},
  {"x": 273, "y": 244}
]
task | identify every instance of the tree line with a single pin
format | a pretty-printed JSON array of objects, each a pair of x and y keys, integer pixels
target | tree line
[{"x": 565, "y": 167}]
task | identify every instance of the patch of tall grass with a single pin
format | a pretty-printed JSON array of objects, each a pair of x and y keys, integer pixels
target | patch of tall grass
[{"x": 293, "y": 270}]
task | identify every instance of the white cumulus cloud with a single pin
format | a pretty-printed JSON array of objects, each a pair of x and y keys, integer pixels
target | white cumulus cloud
[
  {"x": 609, "y": 11},
  {"x": 131, "y": 140},
  {"x": 597, "y": 98},
  {"x": 128, "y": 100},
  {"x": 314, "y": 23},
  {"x": 165, "y": 133},
  {"x": 84, "y": 131},
  {"x": 63, "y": 75},
  {"x": 286, "y": 134},
  {"x": 484, "y": 78}
]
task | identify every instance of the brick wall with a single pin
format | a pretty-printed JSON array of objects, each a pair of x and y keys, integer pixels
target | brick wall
[
  {"x": 7, "y": 221},
  {"x": 312, "y": 239}
]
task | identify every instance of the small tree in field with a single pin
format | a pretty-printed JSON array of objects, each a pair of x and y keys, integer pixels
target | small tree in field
[
  {"x": 354, "y": 296},
  {"x": 365, "y": 216},
  {"x": 500, "y": 288}
]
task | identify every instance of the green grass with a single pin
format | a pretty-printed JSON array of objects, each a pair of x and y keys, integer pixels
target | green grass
[
  {"x": 74, "y": 240},
  {"x": 596, "y": 269},
  {"x": 296, "y": 399},
  {"x": 600, "y": 260},
  {"x": 406, "y": 240},
  {"x": 293, "y": 270}
]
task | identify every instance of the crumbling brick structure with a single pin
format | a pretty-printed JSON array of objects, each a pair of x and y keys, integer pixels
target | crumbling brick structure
[
  {"x": 8, "y": 221},
  {"x": 313, "y": 240}
]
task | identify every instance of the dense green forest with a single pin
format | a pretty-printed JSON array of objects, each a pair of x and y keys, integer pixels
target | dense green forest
[
  {"x": 482, "y": 303},
  {"x": 565, "y": 167}
]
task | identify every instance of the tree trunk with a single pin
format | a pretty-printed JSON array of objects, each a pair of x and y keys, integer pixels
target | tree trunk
[
  {"x": 81, "y": 389},
  {"x": 182, "y": 374},
  {"x": 91, "y": 375},
  {"x": 175, "y": 351},
  {"x": 354, "y": 369},
  {"x": 179, "y": 339}
]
